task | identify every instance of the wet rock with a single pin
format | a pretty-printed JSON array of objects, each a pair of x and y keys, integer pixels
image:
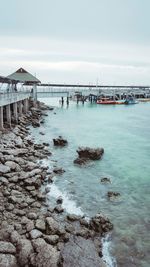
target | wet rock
[
  {"x": 105, "y": 180},
  {"x": 90, "y": 153},
  {"x": 59, "y": 200},
  {"x": 100, "y": 224},
  {"x": 58, "y": 170},
  {"x": 112, "y": 194},
  {"x": 60, "y": 142},
  {"x": 47, "y": 189},
  {"x": 59, "y": 209},
  {"x": 80, "y": 252},
  {"x": 7, "y": 247},
  {"x": 80, "y": 161},
  {"x": 7, "y": 260},
  {"x": 73, "y": 217}
]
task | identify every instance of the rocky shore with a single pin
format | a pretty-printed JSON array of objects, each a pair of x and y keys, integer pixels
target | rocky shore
[{"x": 31, "y": 232}]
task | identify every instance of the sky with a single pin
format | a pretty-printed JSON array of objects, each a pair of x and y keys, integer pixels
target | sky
[{"x": 77, "y": 41}]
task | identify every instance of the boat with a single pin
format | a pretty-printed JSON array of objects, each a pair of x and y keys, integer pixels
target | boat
[
  {"x": 106, "y": 101},
  {"x": 130, "y": 100}
]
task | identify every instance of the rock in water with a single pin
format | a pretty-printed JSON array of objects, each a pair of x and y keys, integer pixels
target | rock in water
[
  {"x": 90, "y": 153},
  {"x": 60, "y": 141},
  {"x": 80, "y": 252}
]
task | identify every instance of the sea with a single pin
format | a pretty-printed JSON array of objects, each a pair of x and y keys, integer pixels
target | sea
[{"x": 124, "y": 133}]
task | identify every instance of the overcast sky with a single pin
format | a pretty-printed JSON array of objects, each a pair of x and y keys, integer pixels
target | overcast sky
[{"x": 77, "y": 41}]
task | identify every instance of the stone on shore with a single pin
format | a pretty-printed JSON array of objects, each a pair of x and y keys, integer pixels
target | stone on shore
[
  {"x": 4, "y": 169},
  {"x": 80, "y": 252},
  {"x": 7, "y": 247},
  {"x": 8, "y": 260}
]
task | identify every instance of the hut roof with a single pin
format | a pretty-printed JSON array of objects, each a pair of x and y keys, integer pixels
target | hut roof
[{"x": 23, "y": 76}]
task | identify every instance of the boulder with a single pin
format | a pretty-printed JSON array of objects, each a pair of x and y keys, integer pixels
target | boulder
[
  {"x": 40, "y": 225},
  {"x": 7, "y": 247},
  {"x": 100, "y": 224},
  {"x": 105, "y": 180},
  {"x": 58, "y": 170},
  {"x": 111, "y": 194},
  {"x": 8, "y": 260},
  {"x": 35, "y": 234},
  {"x": 52, "y": 226},
  {"x": 60, "y": 142},
  {"x": 80, "y": 252},
  {"x": 47, "y": 255},
  {"x": 4, "y": 169},
  {"x": 24, "y": 251},
  {"x": 90, "y": 153}
]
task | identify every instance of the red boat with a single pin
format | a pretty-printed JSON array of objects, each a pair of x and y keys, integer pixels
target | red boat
[{"x": 106, "y": 101}]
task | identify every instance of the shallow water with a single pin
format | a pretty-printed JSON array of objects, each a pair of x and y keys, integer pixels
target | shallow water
[{"x": 124, "y": 133}]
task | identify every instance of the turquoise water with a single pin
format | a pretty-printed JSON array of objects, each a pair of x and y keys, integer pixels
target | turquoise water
[{"x": 124, "y": 133}]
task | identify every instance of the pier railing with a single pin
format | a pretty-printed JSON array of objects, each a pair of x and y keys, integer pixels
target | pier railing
[{"x": 7, "y": 98}]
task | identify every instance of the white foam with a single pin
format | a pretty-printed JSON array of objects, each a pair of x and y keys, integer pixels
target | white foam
[
  {"x": 107, "y": 258},
  {"x": 68, "y": 204}
]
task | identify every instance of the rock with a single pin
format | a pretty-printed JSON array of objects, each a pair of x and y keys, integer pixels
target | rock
[
  {"x": 80, "y": 161},
  {"x": 60, "y": 142},
  {"x": 80, "y": 252},
  {"x": 59, "y": 209},
  {"x": 59, "y": 200},
  {"x": 42, "y": 133},
  {"x": 13, "y": 166},
  {"x": 4, "y": 169},
  {"x": 52, "y": 239},
  {"x": 40, "y": 225},
  {"x": 35, "y": 234},
  {"x": 32, "y": 216},
  {"x": 24, "y": 249},
  {"x": 15, "y": 237},
  {"x": 73, "y": 217},
  {"x": 7, "y": 260},
  {"x": 113, "y": 195},
  {"x": 30, "y": 226},
  {"x": 52, "y": 226},
  {"x": 58, "y": 170},
  {"x": 3, "y": 180},
  {"x": 90, "y": 153},
  {"x": 7, "y": 247},
  {"x": 105, "y": 180},
  {"x": 47, "y": 256},
  {"x": 47, "y": 190},
  {"x": 100, "y": 224}
]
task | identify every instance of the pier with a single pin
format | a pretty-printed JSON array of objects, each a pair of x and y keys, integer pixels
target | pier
[{"x": 14, "y": 102}]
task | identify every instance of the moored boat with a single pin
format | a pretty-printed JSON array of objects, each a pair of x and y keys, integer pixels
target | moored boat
[
  {"x": 106, "y": 101},
  {"x": 130, "y": 100}
]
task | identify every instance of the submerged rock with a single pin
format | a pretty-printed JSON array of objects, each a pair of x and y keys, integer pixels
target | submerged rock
[
  {"x": 60, "y": 141},
  {"x": 105, "y": 180},
  {"x": 112, "y": 194}
]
